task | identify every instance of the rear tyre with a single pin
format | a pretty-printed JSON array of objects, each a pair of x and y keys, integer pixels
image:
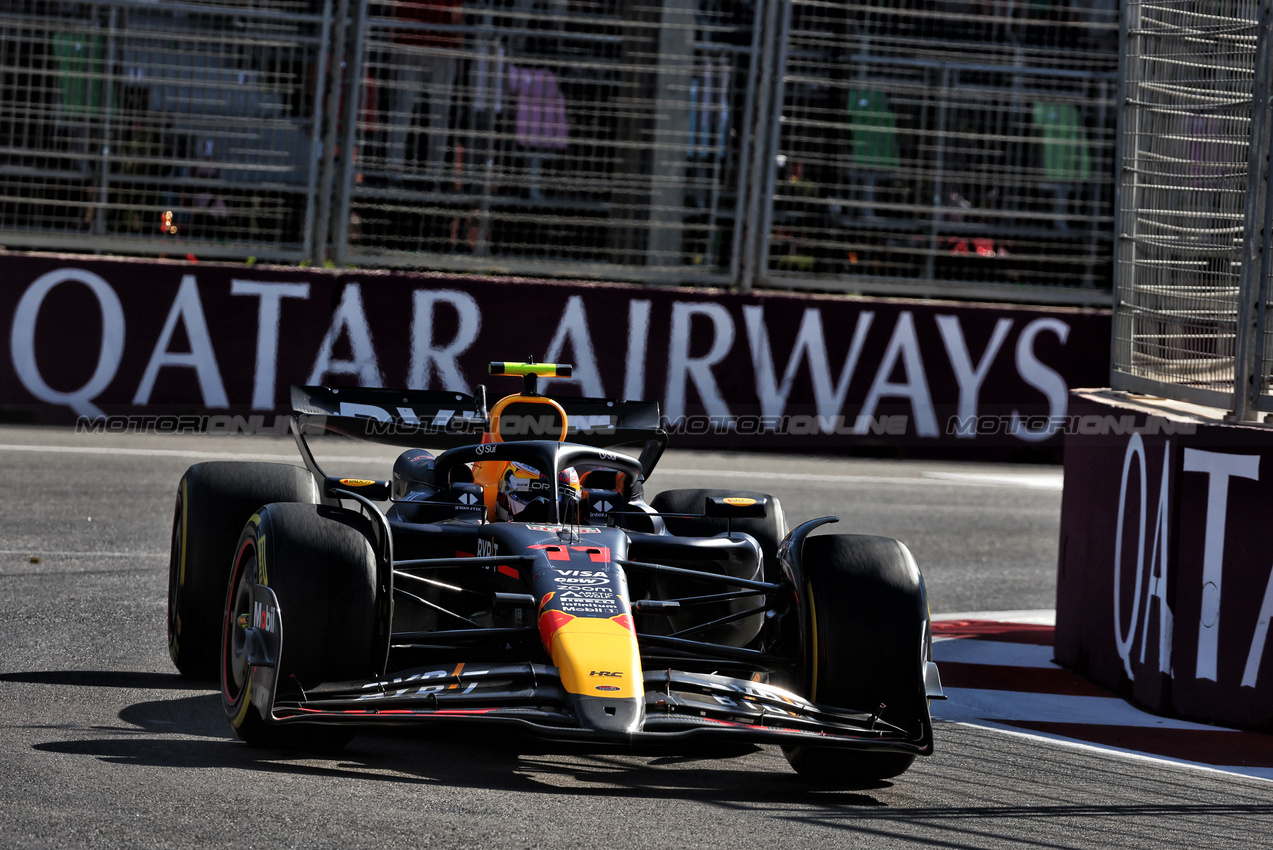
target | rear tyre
[
  {"x": 867, "y": 643},
  {"x": 320, "y": 565},
  {"x": 768, "y": 530},
  {"x": 214, "y": 500}
]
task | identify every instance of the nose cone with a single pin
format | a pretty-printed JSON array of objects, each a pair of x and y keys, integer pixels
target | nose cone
[
  {"x": 600, "y": 668},
  {"x": 618, "y": 717}
]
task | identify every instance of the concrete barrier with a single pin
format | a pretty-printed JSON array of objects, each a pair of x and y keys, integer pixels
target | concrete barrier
[
  {"x": 1165, "y": 572},
  {"x": 91, "y": 338}
]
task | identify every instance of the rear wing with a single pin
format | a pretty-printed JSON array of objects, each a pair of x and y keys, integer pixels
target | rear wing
[{"x": 442, "y": 419}]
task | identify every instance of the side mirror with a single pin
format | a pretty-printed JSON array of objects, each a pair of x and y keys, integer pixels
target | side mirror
[
  {"x": 377, "y": 491},
  {"x": 736, "y": 507}
]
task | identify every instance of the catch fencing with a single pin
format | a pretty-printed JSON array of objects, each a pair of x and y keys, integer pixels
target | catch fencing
[
  {"x": 1194, "y": 214},
  {"x": 912, "y": 147},
  {"x": 162, "y": 129}
]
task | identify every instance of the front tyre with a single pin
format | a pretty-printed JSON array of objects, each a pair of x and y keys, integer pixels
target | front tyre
[
  {"x": 321, "y": 567},
  {"x": 867, "y": 643},
  {"x": 214, "y": 500}
]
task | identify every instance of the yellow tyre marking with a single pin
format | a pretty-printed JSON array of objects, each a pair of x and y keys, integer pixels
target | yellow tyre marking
[
  {"x": 243, "y": 706},
  {"x": 813, "y": 644}
]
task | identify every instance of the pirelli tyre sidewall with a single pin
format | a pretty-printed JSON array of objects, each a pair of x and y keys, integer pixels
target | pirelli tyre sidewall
[
  {"x": 867, "y": 643},
  {"x": 214, "y": 500},
  {"x": 321, "y": 567}
]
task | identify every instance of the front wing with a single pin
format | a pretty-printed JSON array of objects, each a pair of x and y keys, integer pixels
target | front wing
[{"x": 679, "y": 706}]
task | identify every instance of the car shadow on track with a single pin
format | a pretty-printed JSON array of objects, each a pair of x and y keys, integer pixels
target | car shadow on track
[{"x": 190, "y": 732}]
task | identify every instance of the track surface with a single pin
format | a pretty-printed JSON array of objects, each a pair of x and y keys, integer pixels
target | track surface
[{"x": 103, "y": 744}]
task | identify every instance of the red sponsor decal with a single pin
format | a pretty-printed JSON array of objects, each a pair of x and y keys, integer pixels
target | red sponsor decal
[
  {"x": 555, "y": 553},
  {"x": 509, "y": 571},
  {"x": 625, "y": 620},
  {"x": 549, "y": 623},
  {"x": 990, "y": 630}
]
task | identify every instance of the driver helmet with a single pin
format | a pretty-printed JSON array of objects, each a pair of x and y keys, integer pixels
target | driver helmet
[{"x": 521, "y": 484}]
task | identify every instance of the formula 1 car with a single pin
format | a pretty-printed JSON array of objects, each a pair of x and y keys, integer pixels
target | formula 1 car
[{"x": 521, "y": 578}]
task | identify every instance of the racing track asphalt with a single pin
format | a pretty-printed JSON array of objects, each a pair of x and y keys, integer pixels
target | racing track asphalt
[{"x": 104, "y": 745}]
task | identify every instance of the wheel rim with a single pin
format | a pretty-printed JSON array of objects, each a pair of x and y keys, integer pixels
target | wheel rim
[{"x": 240, "y": 607}]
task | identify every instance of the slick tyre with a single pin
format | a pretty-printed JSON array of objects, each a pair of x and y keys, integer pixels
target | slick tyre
[
  {"x": 214, "y": 500},
  {"x": 867, "y": 642},
  {"x": 321, "y": 567},
  {"x": 768, "y": 530}
]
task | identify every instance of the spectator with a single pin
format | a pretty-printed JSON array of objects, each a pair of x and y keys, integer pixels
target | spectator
[
  {"x": 143, "y": 157},
  {"x": 432, "y": 52}
]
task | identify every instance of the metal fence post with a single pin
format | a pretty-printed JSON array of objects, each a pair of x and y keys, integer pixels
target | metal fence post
[
  {"x": 738, "y": 260},
  {"x": 1126, "y": 195},
  {"x": 765, "y": 11},
  {"x": 768, "y": 134},
  {"x": 334, "y": 76},
  {"x": 108, "y": 101},
  {"x": 318, "y": 198},
  {"x": 353, "y": 100},
  {"x": 1259, "y": 350},
  {"x": 1255, "y": 230}
]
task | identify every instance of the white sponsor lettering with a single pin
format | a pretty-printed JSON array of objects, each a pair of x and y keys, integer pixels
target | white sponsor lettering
[
  {"x": 638, "y": 339},
  {"x": 109, "y": 353},
  {"x": 683, "y": 369},
  {"x": 968, "y": 377},
  {"x": 810, "y": 344},
  {"x": 365, "y": 411},
  {"x": 573, "y": 329},
  {"x": 1219, "y": 467},
  {"x": 1125, "y": 637},
  {"x": 1256, "y": 653},
  {"x": 263, "y": 617},
  {"x": 187, "y": 309},
  {"x": 586, "y": 422},
  {"x": 904, "y": 346},
  {"x": 429, "y": 358},
  {"x": 269, "y": 314},
  {"x": 1050, "y": 382},
  {"x": 349, "y": 319}
]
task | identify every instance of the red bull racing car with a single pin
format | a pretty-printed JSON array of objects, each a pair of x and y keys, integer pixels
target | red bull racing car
[{"x": 520, "y": 577}]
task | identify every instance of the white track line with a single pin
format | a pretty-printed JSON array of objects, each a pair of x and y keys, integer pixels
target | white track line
[
  {"x": 1027, "y": 480},
  {"x": 76, "y": 554},
  {"x": 183, "y": 453},
  {"x": 1033, "y": 481},
  {"x": 1039, "y": 616}
]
